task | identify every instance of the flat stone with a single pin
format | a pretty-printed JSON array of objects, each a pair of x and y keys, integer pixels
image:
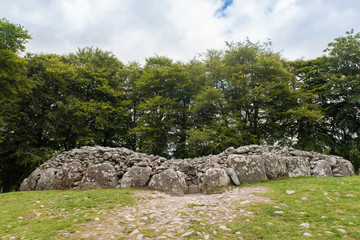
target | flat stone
[
  {"x": 187, "y": 234},
  {"x": 290, "y": 192},
  {"x": 222, "y": 227},
  {"x": 135, "y": 231},
  {"x": 305, "y": 225}
]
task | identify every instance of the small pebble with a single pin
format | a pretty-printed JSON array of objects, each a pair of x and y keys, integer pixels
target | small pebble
[
  {"x": 328, "y": 232},
  {"x": 305, "y": 225},
  {"x": 187, "y": 234},
  {"x": 136, "y": 231},
  {"x": 140, "y": 236},
  {"x": 307, "y": 234},
  {"x": 224, "y": 228},
  {"x": 290, "y": 191},
  {"x": 341, "y": 230},
  {"x": 279, "y": 212}
]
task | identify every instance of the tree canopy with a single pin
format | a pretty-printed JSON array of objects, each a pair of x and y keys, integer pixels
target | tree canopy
[{"x": 246, "y": 93}]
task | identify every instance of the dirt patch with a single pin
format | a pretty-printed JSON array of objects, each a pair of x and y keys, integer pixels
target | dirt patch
[{"x": 161, "y": 216}]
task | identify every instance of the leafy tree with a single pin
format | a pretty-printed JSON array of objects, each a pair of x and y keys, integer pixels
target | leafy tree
[
  {"x": 98, "y": 97},
  {"x": 343, "y": 96},
  {"x": 12, "y": 40},
  {"x": 164, "y": 92},
  {"x": 12, "y": 83},
  {"x": 312, "y": 77}
]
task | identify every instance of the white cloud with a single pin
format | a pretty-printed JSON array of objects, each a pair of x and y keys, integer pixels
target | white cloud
[{"x": 137, "y": 29}]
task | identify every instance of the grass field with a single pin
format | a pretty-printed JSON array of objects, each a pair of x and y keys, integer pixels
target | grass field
[
  {"x": 320, "y": 208},
  {"x": 43, "y": 214}
]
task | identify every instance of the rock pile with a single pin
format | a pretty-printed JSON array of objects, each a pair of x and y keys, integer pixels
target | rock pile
[{"x": 104, "y": 167}]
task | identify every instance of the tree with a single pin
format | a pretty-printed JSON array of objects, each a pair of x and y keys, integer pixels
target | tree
[
  {"x": 98, "y": 97},
  {"x": 312, "y": 77},
  {"x": 343, "y": 96},
  {"x": 12, "y": 40},
  {"x": 164, "y": 92},
  {"x": 12, "y": 83}
]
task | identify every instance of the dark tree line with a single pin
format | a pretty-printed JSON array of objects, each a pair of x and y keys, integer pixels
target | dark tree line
[{"x": 243, "y": 94}]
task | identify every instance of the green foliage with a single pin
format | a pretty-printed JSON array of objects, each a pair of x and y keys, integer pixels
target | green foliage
[{"x": 12, "y": 36}]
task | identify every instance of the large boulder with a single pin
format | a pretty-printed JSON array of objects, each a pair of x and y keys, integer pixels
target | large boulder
[
  {"x": 275, "y": 166},
  {"x": 349, "y": 166},
  {"x": 298, "y": 166},
  {"x": 213, "y": 178},
  {"x": 136, "y": 177},
  {"x": 322, "y": 169},
  {"x": 345, "y": 168},
  {"x": 248, "y": 168},
  {"x": 69, "y": 176},
  {"x": 46, "y": 180},
  {"x": 169, "y": 181},
  {"x": 29, "y": 184},
  {"x": 101, "y": 175}
]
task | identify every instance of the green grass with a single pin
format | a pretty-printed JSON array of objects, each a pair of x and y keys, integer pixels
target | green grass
[
  {"x": 44, "y": 214},
  {"x": 326, "y": 204}
]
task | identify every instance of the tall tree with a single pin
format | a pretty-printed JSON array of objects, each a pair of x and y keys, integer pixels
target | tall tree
[
  {"x": 13, "y": 83},
  {"x": 164, "y": 91},
  {"x": 343, "y": 96},
  {"x": 98, "y": 96}
]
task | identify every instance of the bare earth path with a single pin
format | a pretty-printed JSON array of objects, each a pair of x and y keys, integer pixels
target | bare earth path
[{"x": 161, "y": 216}]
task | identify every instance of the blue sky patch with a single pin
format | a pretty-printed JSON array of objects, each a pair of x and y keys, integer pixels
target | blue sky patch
[{"x": 221, "y": 11}]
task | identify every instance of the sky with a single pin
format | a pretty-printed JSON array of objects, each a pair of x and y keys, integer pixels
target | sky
[{"x": 181, "y": 29}]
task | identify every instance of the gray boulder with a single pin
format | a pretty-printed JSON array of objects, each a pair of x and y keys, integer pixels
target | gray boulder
[
  {"x": 275, "y": 166},
  {"x": 322, "y": 169},
  {"x": 245, "y": 149},
  {"x": 349, "y": 166},
  {"x": 169, "y": 181},
  {"x": 101, "y": 175},
  {"x": 46, "y": 180},
  {"x": 136, "y": 177},
  {"x": 29, "y": 184},
  {"x": 213, "y": 178},
  {"x": 233, "y": 176},
  {"x": 345, "y": 168},
  {"x": 298, "y": 166},
  {"x": 69, "y": 176},
  {"x": 248, "y": 168}
]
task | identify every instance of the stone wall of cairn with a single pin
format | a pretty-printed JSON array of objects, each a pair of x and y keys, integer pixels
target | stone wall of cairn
[{"x": 105, "y": 167}]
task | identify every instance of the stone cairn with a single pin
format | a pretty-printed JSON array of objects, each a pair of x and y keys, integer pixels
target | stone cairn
[{"x": 105, "y": 167}]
